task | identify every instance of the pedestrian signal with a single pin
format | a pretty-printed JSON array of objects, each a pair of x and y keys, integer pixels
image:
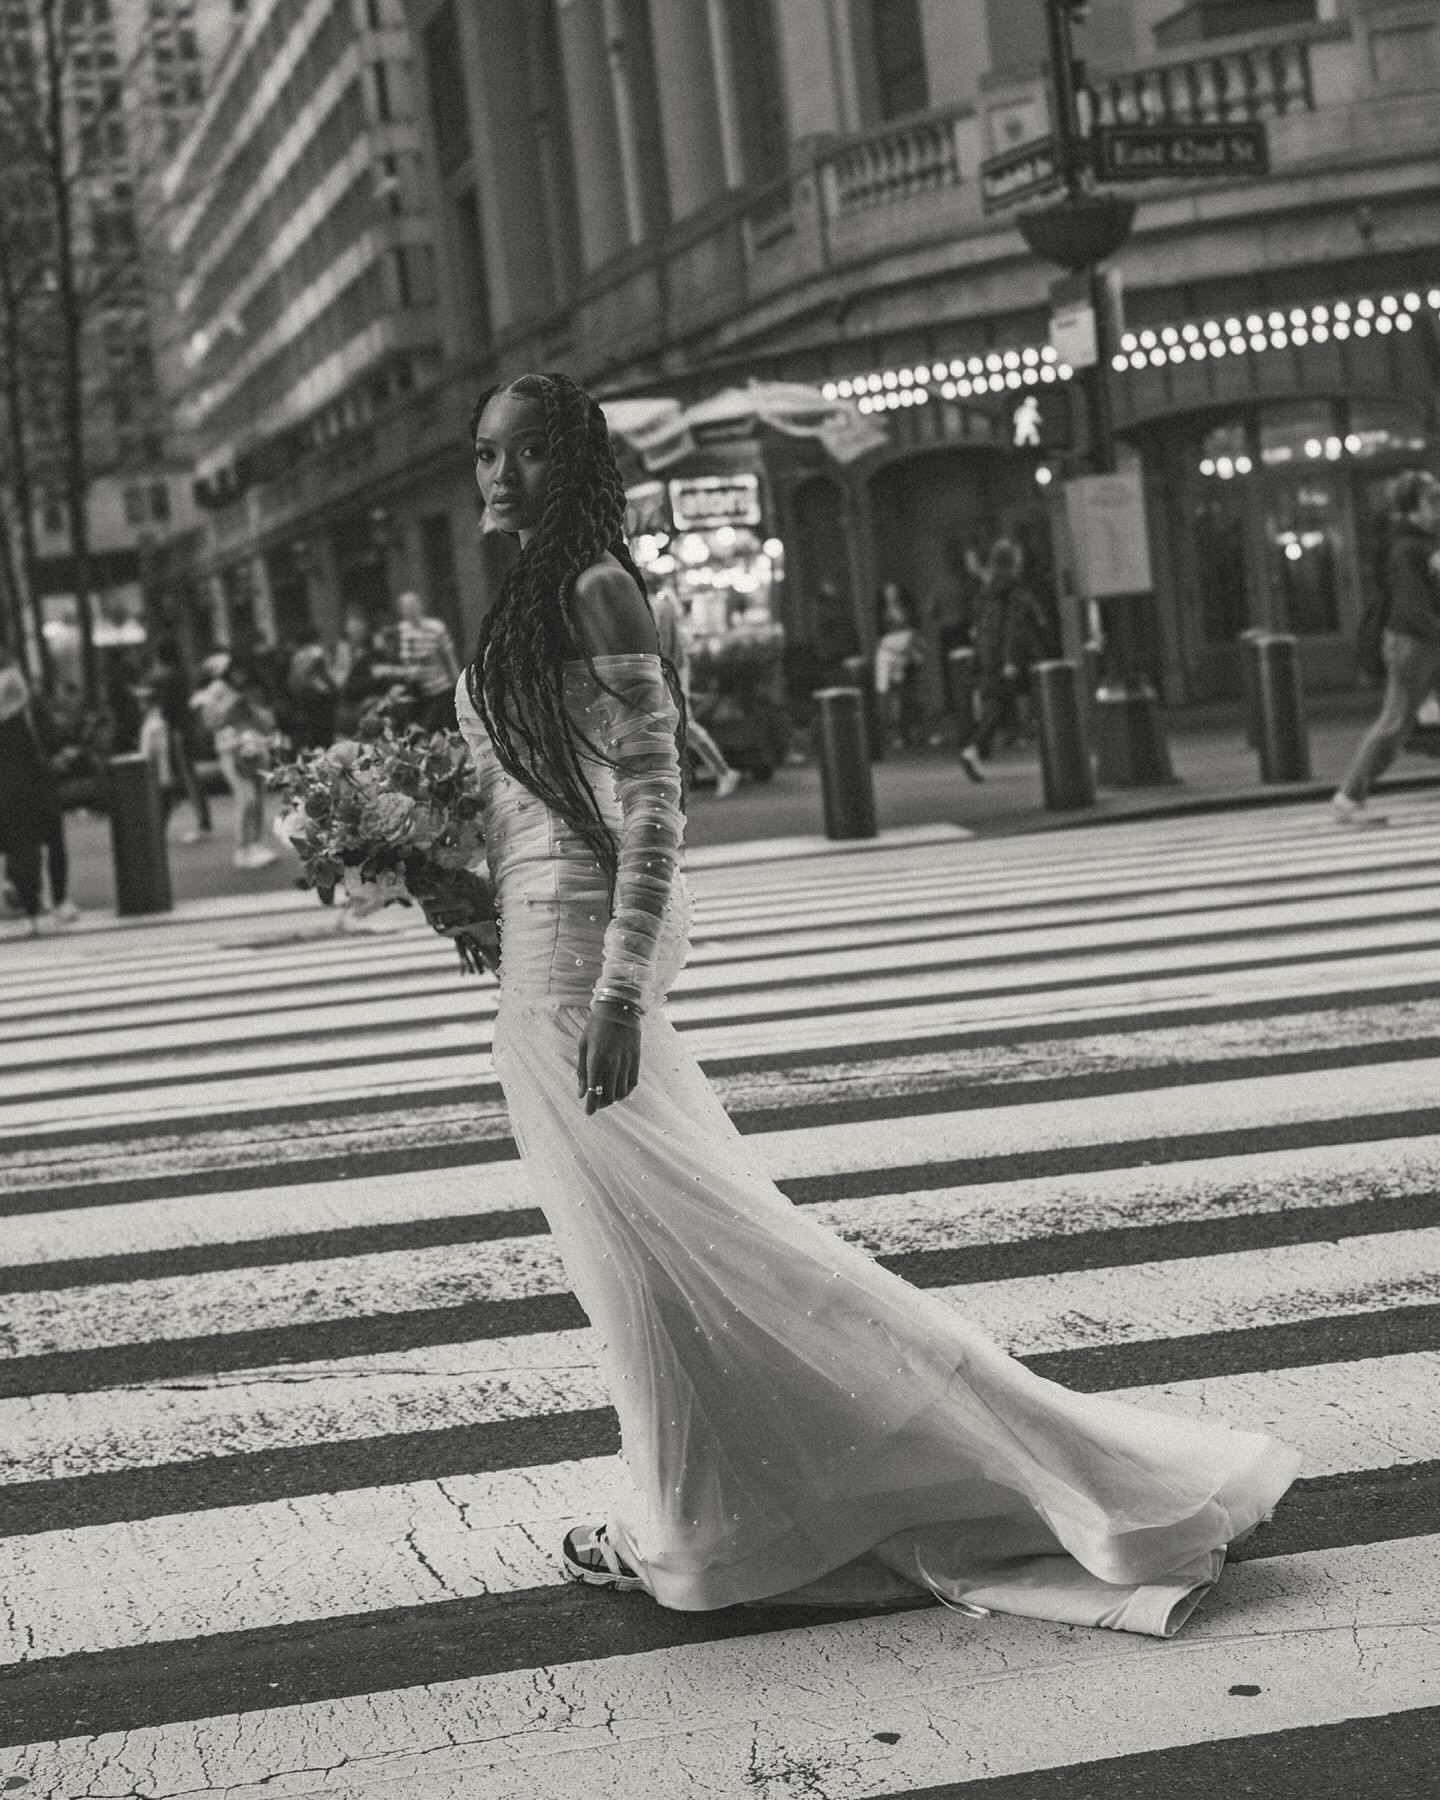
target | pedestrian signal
[{"x": 1040, "y": 419}]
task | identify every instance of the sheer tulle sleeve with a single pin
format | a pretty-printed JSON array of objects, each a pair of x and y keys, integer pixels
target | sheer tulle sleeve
[
  {"x": 476, "y": 742},
  {"x": 635, "y": 727}
]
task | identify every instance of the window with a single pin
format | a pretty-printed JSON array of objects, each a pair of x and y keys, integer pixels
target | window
[
  {"x": 160, "y": 502},
  {"x": 400, "y": 267},
  {"x": 135, "y": 510},
  {"x": 437, "y": 553},
  {"x": 382, "y": 93},
  {"x": 445, "y": 78},
  {"x": 902, "y": 85},
  {"x": 1303, "y": 529},
  {"x": 474, "y": 283},
  {"x": 755, "y": 57},
  {"x": 1299, "y": 432}
]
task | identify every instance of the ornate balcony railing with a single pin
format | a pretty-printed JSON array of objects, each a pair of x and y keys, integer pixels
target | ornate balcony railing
[
  {"x": 917, "y": 157},
  {"x": 1249, "y": 82}
]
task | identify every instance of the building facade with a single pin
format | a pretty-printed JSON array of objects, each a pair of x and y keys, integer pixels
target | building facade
[
  {"x": 672, "y": 200},
  {"x": 306, "y": 301},
  {"x": 128, "y": 81}
]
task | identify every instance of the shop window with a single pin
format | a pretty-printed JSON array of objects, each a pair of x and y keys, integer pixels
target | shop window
[
  {"x": 1300, "y": 433},
  {"x": 1385, "y": 428},
  {"x": 1303, "y": 533}
]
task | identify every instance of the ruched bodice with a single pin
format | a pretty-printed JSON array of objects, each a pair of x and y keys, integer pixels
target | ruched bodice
[{"x": 551, "y": 893}]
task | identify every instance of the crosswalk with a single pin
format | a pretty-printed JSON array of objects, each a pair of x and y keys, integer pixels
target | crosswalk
[{"x": 295, "y": 1403}]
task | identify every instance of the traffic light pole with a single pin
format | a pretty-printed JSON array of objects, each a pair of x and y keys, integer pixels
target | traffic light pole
[{"x": 1079, "y": 231}]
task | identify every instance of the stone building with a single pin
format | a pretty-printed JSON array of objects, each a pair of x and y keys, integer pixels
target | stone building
[{"x": 674, "y": 199}]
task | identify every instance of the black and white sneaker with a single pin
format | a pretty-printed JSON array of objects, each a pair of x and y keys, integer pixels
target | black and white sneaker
[{"x": 589, "y": 1556}]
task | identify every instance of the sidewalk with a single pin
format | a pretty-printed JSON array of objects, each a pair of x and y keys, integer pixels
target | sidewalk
[{"x": 1214, "y": 767}]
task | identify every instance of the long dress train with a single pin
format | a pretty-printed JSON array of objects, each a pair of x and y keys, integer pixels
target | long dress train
[{"x": 797, "y": 1423}]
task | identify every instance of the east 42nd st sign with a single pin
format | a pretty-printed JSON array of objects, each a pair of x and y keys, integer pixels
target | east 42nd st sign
[{"x": 1173, "y": 152}]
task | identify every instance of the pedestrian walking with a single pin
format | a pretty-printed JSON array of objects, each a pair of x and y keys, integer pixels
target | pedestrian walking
[
  {"x": 355, "y": 669},
  {"x": 424, "y": 655},
  {"x": 32, "y": 821},
  {"x": 1409, "y": 639},
  {"x": 232, "y": 707},
  {"x": 797, "y": 1422},
  {"x": 172, "y": 695},
  {"x": 670, "y": 628},
  {"x": 898, "y": 655},
  {"x": 154, "y": 746},
  {"x": 1009, "y": 635},
  {"x": 311, "y": 689}
]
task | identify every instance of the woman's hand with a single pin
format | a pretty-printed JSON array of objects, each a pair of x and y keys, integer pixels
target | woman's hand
[{"x": 608, "y": 1064}]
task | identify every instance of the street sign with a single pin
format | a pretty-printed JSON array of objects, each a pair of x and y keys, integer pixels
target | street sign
[
  {"x": 1108, "y": 533},
  {"x": 1072, "y": 333},
  {"x": 1178, "y": 152},
  {"x": 1017, "y": 174}
]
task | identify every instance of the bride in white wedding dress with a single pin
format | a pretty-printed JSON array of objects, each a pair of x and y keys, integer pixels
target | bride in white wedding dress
[{"x": 797, "y": 1424}]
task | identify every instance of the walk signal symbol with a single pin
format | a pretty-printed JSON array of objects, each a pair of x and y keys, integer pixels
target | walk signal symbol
[{"x": 1040, "y": 419}]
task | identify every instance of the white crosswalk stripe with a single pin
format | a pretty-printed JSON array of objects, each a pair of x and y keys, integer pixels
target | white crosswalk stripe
[{"x": 295, "y": 1404}]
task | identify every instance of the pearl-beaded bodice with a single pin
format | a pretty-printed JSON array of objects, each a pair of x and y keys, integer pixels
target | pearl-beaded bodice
[{"x": 559, "y": 942}]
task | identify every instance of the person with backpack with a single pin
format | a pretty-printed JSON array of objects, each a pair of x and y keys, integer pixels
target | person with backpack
[{"x": 1409, "y": 639}]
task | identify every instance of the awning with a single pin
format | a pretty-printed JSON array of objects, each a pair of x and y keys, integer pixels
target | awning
[{"x": 661, "y": 431}]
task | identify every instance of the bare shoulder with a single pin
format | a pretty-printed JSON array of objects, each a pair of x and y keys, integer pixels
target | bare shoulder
[{"x": 610, "y": 614}]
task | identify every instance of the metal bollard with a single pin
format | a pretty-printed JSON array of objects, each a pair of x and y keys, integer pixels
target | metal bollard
[
  {"x": 1249, "y": 642},
  {"x": 1284, "y": 735},
  {"x": 137, "y": 837},
  {"x": 960, "y": 691},
  {"x": 860, "y": 673},
  {"x": 1066, "y": 771},
  {"x": 846, "y": 784}
]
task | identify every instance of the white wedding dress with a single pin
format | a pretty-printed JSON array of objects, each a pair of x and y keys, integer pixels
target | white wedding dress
[{"x": 797, "y": 1424}]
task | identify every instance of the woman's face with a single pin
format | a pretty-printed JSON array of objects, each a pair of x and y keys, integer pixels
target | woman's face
[{"x": 512, "y": 462}]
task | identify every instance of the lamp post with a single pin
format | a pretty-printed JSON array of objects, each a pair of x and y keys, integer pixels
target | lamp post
[{"x": 1079, "y": 231}]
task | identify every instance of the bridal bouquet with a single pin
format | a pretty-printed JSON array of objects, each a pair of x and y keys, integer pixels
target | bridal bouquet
[{"x": 391, "y": 816}]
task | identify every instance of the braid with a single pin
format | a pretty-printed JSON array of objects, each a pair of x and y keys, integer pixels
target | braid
[{"x": 516, "y": 681}]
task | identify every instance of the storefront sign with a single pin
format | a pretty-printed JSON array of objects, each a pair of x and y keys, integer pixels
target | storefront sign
[
  {"x": 705, "y": 501},
  {"x": 1106, "y": 516},
  {"x": 1174, "y": 152},
  {"x": 1018, "y": 174}
]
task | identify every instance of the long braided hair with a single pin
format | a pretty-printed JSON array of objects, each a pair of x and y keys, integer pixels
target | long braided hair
[{"x": 516, "y": 681}]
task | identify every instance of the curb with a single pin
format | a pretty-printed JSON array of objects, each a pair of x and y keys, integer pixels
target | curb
[{"x": 1237, "y": 800}]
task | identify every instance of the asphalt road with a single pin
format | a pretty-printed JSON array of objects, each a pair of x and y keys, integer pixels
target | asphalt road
[{"x": 295, "y": 1402}]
